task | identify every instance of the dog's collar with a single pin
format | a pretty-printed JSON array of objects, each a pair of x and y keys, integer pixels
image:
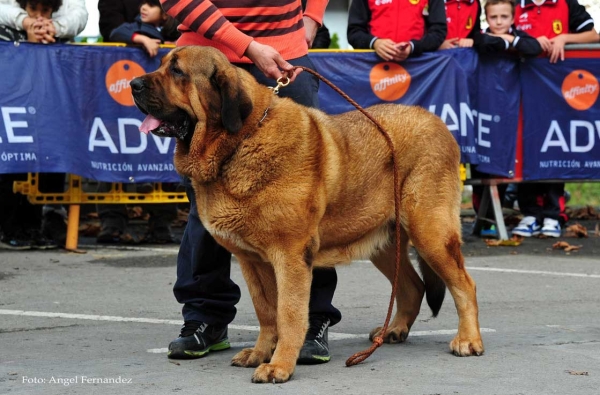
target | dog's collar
[{"x": 264, "y": 115}]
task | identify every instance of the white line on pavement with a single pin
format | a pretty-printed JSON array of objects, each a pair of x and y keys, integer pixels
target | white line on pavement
[
  {"x": 520, "y": 271},
  {"x": 332, "y": 335}
]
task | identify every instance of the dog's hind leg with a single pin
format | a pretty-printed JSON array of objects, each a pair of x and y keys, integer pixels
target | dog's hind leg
[
  {"x": 441, "y": 250},
  {"x": 410, "y": 290},
  {"x": 261, "y": 284}
]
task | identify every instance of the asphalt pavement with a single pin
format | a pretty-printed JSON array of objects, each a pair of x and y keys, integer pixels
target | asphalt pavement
[{"x": 100, "y": 322}]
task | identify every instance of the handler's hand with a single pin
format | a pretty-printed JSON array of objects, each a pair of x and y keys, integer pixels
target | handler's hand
[
  {"x": 270, "y": 62},
  {"x": 310, "y": 27}
]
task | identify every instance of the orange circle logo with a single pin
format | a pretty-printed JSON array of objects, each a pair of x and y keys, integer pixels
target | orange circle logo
[
  {"x": 118, "y": 77},
  {"x": 580, "y": 89},
  {"x": 389, "y": 81}
]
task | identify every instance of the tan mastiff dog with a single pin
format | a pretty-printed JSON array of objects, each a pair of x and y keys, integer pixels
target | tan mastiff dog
[{"x": 288, "y": 188}]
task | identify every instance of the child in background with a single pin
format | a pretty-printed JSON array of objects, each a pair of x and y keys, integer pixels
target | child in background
[
  {"x": 554, "y": 24},
  {"x": 500, "y": 36},
  {"x": 462, "y": 18},
  {"x": 150, "y": 29},
  {"x": 38, "y": 10}
]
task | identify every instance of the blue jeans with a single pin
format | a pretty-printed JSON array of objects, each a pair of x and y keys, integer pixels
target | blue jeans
[{"x": 203, "y": 281}]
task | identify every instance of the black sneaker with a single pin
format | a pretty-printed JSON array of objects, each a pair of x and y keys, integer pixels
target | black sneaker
[
  {"x": 41, "y": 242},
  {"x": 14, "y": 243},
  {"x": 197, "y": 339},
  {"x": 315, "y": 349}
]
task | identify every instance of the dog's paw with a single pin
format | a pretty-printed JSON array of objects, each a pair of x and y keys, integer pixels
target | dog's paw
[
  {"x": 270, "y": 373},
  {"x": 392, "y": 335},
  {"x": 462, "y": 347},
  {"x": 249, "y": 358}
]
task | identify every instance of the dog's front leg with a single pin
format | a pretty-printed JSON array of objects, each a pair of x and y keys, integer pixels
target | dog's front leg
[
  {"x": 260, "y": 279},
  {"x": 294, "y": 277}
]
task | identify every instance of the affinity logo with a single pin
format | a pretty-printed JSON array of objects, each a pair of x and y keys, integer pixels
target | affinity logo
[
  {"x": 118, "y": 77},
  {"x": 389, "y": 81},
  {"x": 580, "y": 89}
]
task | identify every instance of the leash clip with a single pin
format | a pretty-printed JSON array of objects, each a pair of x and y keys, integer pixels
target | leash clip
[{"x": 280, "y": 84}]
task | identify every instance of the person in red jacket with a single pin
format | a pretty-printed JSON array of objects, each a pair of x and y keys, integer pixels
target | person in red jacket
[
  {"x": 554, "y": 23},
  {"x": 397, "y": 29},
  {"x": 462, "y": 17}
]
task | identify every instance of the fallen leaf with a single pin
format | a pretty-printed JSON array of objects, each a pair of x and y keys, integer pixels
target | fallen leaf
[
  {"x": 576, "y": 230},
  {"x": 560, "y": 244},
  {"x": 588, "y": 212},
  {"x": 565, "y": 246},
  {"x": 514, "y": 241}
]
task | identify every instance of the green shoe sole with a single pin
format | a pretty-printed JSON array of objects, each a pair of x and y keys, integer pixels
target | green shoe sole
[{"x": 193, "y": 354}]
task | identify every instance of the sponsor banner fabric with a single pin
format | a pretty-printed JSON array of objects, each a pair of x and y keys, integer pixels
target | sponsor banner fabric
[
  {"x": 561, "y": 130},
  {"x": 68, "y": 108}
]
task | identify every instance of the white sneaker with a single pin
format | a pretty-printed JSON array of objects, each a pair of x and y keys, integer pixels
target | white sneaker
[
  {"x": 527, "y": 227},
  {"x": 551, "y": 228}
]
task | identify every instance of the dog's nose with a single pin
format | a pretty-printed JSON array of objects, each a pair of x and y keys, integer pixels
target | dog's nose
[{"x": 137, "y": 84}]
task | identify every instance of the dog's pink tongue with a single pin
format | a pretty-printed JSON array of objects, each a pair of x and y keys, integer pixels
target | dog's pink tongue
[{"x": 150, "y": 123}]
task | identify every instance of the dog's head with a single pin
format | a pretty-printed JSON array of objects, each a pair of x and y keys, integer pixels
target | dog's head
[{"x": 192, "y": 85}]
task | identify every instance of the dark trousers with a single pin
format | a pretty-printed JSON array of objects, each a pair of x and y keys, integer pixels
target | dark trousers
[
  {"x": 543, "y": 200},
  {"x": 203, "y": 281},
  {"x": 16, "y": 213}
]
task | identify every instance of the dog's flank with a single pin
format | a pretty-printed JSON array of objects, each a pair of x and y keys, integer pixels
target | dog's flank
[{"x": 298, "y": 190}]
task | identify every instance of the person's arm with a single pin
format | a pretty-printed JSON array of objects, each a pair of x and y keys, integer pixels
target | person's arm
[
  {"x": 525, "y": 44},
  {"x": 485, "y": 43},
  {"x": 12, "y": 15},
  {"x": 204, "y": 18},
  {"x": 359, "y": 16},
  {"x": 70, "y": 19},
  {"x": 436, "y": 29},
  {"x": 124, "y": 33},
  {"x": 112, "y": 15},
  {"x": 579, "y": 19}
]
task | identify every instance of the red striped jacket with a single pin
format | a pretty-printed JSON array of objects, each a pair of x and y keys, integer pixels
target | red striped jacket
[{"x": 231, "y": 27}]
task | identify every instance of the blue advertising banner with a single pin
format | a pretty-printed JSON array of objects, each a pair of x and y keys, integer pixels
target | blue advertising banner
[
  {"x": 435, "y": 81},
  {"x": 68, "y": 108},
  {"x": 495, "y": 88},
  {"x": 561, "y": 130}
]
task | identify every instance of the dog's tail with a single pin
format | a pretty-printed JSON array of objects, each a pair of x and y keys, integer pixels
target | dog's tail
[{"x": 435, "y": 288}]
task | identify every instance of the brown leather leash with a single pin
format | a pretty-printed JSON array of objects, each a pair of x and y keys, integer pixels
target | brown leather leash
[{"x": 378, "y": 340}]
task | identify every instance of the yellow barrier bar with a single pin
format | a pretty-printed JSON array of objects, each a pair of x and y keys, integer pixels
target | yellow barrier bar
[{"x": 75, "y": 195}]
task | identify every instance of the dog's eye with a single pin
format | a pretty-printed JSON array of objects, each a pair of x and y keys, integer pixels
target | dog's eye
[{"x": 176, "y": 70}]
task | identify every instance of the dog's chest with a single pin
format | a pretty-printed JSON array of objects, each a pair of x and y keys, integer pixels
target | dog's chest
[{"x": 226, "y": 222}]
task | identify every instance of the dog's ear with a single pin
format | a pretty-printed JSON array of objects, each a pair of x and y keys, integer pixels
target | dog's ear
[{"x": 235, "y": 103}]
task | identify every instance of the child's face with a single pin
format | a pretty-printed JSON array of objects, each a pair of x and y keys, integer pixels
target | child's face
[
  {"x": 151, "y": 14},
  {"x": 39, "y": 10},
  {"x": 499, "y": 17}
]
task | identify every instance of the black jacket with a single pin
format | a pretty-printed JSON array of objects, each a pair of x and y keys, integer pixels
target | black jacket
[
  {"x": 125, "y": 32},
  {"x": 114, "y": 13},
  {"x": 523, "y": 44}
]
